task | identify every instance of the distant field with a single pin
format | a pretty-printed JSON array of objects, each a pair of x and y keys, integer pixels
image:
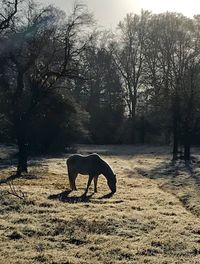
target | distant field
[{"x": 153, "y": 218}]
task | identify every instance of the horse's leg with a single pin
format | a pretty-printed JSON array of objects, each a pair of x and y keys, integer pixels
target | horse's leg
[
  {"x": 89, "y": 182},
  {"x": 72, "y": 177},
  {"x": 95, "y": 183},
  {"x": 73, "y": 181}
]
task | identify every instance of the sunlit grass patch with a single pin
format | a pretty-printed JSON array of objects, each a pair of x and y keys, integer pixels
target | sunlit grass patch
[{"x": 151, "y": 219}]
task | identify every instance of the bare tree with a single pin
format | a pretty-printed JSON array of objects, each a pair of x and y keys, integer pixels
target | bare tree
[
  {"x": 9, "y": 9},
  {"x": 171, "y": 57},
  {"x": 129, "y": 57},
  {"x": 43, "y": 57}
]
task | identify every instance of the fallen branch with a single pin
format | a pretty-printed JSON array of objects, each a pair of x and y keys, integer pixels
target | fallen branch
[{"x": 17, "y": 193}]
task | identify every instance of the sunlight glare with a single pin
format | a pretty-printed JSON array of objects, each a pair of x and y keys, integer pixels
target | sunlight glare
[{"x": 186, "y": 7}]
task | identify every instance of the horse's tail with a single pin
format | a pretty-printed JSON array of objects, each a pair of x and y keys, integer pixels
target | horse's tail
[{"x": 71, "y": 176}]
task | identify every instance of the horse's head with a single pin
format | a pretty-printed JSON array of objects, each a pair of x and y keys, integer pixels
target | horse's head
[{"x": 112, "y": 183}]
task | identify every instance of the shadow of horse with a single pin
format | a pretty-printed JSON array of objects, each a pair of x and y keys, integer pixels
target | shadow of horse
[
  {"x": 107, "y": 196},
  {"x": 64, "y": 197}
]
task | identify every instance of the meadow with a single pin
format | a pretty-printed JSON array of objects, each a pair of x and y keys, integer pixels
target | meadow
[{"x": 152, "y": 218}]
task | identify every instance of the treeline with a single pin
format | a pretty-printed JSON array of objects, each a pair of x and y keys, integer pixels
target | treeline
[{"x": 63, "y": 81}]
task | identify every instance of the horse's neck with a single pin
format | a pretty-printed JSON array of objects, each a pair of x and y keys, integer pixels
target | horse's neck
[{"x": 107, "y": 171}]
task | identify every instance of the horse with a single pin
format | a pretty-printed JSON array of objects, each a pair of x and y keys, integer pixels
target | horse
[{"x": 92, "y": 165}]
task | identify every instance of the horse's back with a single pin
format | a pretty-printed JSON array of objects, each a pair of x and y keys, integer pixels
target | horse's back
[
  {"x": 84, "y": 164},
  {"x": 82, "y": 158}
]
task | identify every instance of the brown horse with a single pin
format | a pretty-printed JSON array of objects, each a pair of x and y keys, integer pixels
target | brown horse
[{"x": 93, "y": 166}]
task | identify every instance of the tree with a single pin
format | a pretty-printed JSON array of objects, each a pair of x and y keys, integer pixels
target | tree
[
  {"x": 8, "y": 11},
  {"x": 101, "y": 95},
  {"x": 129, "y": 58},
  {"x": 171, "y": 57},
  {"x": 45, "y": 53}
]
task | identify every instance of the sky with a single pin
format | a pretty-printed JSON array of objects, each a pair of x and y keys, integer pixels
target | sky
[{"x": 108, "y": 13}]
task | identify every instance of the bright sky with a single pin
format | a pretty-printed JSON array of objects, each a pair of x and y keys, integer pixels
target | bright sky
[{"x": 108, "y": 13}]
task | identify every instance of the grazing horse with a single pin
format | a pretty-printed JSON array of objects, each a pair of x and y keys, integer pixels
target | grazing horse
[{"x": 93, "y": 166}]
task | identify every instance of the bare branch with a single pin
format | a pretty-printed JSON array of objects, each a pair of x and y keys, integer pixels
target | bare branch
[
  {"x": 17, "y": 193},
  {"x": 6, "y": 20}
]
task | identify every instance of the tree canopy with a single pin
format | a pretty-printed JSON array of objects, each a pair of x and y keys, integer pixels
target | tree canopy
[{"x": 63, "y": 81}]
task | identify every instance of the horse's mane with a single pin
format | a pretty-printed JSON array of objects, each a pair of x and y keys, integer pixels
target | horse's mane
[{"x": 107, "y": 171}]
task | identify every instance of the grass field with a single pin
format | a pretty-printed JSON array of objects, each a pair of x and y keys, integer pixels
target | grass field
[{"x": 152, "y": 218}]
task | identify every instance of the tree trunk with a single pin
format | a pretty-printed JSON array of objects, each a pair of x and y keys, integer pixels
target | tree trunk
[
  {"x": 187, "y": 143},
  {"x": 133, "y": 130},
  {"x": 187, "y": 151},
  {"x": 175, "y": 138},
  {"x": 20, "y": 125},
  {"x": 142, "y": 130},
  {"x": 176, "y": 124},
  {"x": 22, "y": 157},
  {"x": 22, "y": 147}
]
